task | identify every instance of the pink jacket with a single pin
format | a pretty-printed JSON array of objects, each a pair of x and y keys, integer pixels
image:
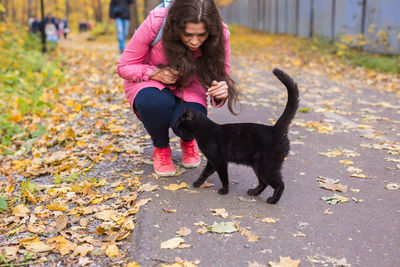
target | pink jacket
[{"x": 139, "y": 60}]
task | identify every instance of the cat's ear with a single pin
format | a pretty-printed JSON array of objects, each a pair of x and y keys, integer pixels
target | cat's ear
[{"x": 190, "y": 114}]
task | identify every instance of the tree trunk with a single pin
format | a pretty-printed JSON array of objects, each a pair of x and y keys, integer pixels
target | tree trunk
[
  {"x": 134, "y": 20},
  {"x": 150, "y": 5},
  {"x": 97, "y": 10},
  {"x": 3, "y": 14},
  {"x": 67, "y": 9}
]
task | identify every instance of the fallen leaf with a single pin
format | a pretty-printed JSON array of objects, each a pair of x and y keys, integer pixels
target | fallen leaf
[
  {"x": 62, "y": 245},
  {"x": 174, "y": 187},
  {"x": 269, "y": 220},
  {"x": 169, "y": 210},
  {"x": 112, "y": 250},
  {"x": 331, "y": 154},
  {"x": 83, "y": 250},
  {"x": 132, "y": 264},
  {"x": 298, "y": 234},
  {"x": 335, "y": 199},
  {"x": 328, "y": 211},
  {"x": 205, "y": 185},
  {"x": 251, "y": 237},
  {"x": 285, "y": 262},
  {"x": 223, "y": 227},
  {"x": 220, "y": 212},
  {"x": 149, "y": 187},
  {"x": 61, "y": 222},
  {"x": 392, "y": 186},
  {"x": 34, "y": 244},
  {"x": 330, "y": 184},
  {"x": 184, "y": 231},
  {"x": 84, "y": 261},
  {"x": 20, "y": 211},
  {"x": 172, "y": 243},
  {"x": 255, "y": 264}
]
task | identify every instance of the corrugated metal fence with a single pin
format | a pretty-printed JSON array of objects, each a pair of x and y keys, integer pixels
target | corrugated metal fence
[{"x": 377, "y": 20}]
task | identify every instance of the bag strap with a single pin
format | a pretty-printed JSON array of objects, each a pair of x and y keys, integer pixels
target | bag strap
[{"x": 164, "y": 4}]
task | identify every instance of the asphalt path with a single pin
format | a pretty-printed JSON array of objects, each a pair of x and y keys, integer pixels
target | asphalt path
[{"x": 353, "y": 127}]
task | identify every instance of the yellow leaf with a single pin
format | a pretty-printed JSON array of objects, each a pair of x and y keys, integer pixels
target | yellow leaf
[
  {"x": 83, "y": 250},
  {"x": 69, "y": 103},
  {"x": 285, "y": 262},
  {"x": 184, "y": 231},
  {"x": 220, "y": 212},
  {"x": 34, "y": 245},
  {"x": 269, "y": 220},
  {"x": 112, "y": 251},
  {"x": 172, "y": 243},
  {"x": 119, "y": 189},
  {"x": 174, "y": 187},
  {"x": 20, "y": 210},
  {"x": 62, "y": 245},
  {"x": 132, "y": 264},
  {"x": 56, "y": 206}
]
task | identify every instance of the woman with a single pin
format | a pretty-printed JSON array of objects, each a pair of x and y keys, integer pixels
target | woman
[{"x": 190, "y": 63}]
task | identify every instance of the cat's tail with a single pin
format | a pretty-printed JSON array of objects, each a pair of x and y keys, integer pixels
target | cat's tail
[{"x": 282, "y": 125}]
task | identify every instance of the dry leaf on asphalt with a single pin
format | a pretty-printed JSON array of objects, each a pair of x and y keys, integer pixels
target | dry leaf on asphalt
[
  {"x": 174, "y": 187},
  {"x": 220, "y": 212},
  {"x": 392, "y": 186},
  {"x": 205, "y": 185},
  {"x": 285, "y": 262},
  {"x": 331, "y": 184},
  {"x": 149, "y": 187},
  {"x": 335, "y": 199},
  {"x": 269, "y": 220},
  {"x": 172, "y": 243},
  {"x": 184, "y": 231}
]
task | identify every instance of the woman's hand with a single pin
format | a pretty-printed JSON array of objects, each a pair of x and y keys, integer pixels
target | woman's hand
[
  {"x": 218, "y": 90},
  {"x": 165, "y": 75}
]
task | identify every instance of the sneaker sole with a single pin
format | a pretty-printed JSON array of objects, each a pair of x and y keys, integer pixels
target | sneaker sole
[
  {"x": 193, "y": 165},
  {"x": 166, "y": 174}
]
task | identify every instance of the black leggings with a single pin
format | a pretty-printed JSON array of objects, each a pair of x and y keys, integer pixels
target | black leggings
[{"x": 159, "y": 110}]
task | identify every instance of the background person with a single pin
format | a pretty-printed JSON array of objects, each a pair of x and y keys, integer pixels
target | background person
[{"x": 119, "y": 11}]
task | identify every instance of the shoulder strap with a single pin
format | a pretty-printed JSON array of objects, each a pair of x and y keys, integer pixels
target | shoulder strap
[{"x": 164, "y": 4}]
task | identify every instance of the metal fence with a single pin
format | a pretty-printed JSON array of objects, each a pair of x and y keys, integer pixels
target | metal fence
[{"x": 378, "y": 21}]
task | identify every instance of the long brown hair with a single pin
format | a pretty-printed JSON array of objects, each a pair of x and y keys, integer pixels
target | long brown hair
[{"x": 211, "y": 65}]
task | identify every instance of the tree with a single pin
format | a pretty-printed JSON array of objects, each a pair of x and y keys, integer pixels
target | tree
[{"x": 134, "y": 19}]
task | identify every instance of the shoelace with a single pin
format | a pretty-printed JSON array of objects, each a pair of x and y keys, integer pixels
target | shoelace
[
  {"x": 189, "y": 149},
  {"x": 162, "y": 155}
]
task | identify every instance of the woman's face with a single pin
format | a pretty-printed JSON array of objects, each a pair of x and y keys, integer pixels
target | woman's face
[{"x": 194, "y": 35}]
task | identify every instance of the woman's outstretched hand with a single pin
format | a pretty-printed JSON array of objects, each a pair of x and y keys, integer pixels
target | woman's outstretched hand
[
  {"x": 218, "y": 90},
  {"x": 165, "y": 75}
]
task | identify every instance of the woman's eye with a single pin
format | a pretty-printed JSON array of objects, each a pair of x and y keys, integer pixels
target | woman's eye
[{"x": 187, "y": 34}]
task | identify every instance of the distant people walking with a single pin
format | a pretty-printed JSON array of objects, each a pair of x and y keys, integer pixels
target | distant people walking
[
  {"x": 64, "y": 26},
  {"x": 119, "y": 11}
]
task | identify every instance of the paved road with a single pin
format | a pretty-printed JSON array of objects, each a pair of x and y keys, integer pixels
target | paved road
[{"x": 361, "y": 123}]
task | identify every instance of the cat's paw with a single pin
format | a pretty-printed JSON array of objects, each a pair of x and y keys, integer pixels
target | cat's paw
[
  {"x": 272, "y": 200},
  {"x": 197, "y": 184},
  {"x": 252, "y": 192},
  {"x": 223, "y": 191}
]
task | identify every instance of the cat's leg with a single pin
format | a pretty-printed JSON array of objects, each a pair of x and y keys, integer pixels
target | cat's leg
[
  {"x": 261, "y": 176},
  {"x": 222, "y": 170},
  {"x": 278, "y": 186},
  {"x": 257, "y": 190},
  {"x": 208, "y": 170}
]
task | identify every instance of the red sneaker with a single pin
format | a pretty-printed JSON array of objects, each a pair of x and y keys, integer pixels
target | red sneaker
[
  {"x": 162, "y": 161},
  {"x": 190, "y": 154}
]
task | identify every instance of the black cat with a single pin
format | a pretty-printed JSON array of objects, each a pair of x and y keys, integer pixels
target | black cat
[{"x": 262, "y": 147}]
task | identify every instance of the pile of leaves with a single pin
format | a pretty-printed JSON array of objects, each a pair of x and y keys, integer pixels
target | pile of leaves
[{"x": 59, "y": 199}]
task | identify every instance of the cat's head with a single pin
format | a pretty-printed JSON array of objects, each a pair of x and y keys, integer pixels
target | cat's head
[{"x": 187, "y": 119}]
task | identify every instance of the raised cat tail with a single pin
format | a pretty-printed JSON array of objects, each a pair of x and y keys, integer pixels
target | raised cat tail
[{"x": 282, "y": 125}]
